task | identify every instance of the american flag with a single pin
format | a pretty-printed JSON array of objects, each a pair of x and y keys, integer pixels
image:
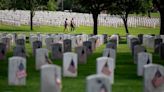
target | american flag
[
  {"x": 82, "y": 55},
  {"x": 108, "y": 54},
  {"x": 82, "y": 52},
  {"x": 148, "y": 61},
  {"x": 60, "y": 38},
  {"x": 89, "y": 49},
  {"x": 1, "y": 55},
  {"x": 57, "y": 80},
  {"x": 103, "y": 88},
  {"x": 97, "y": 42},
  {"x": 76, "y": 42},
  {"x": 60, "y": 49},
  {"x": 158, "y": 79},
  {"x": 22, "y": 50},
  {"x": 66, "y": 45},
  {"x": 113, "y": 47},
  {"x": 21, "y": 73},
  {"x": 47, "y": 59},
  {"x": 38, "y": 45},
  {"x": 71, "y": 67},
  {"x": 105, "y": 69}
]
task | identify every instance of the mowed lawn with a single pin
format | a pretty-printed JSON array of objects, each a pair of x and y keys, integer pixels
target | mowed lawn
[
  {"x": 126, "y": 79},
  {"x": 79, "y": 30}
]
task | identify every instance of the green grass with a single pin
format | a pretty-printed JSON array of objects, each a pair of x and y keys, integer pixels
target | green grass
[
  {"x": 153, "y": 15},
  {"x": 126, "y": 79},
  {"x": 79, "y": 30}
]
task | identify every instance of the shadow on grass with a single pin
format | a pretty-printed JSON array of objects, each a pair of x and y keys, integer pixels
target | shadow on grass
[{"x": 13, "y": 30}]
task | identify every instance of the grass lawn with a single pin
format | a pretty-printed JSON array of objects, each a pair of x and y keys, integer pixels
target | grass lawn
[
  {"x": 79, "y": 30},
  {"x": 153, "y": 15},
  {"x": 126, "y": 79}
]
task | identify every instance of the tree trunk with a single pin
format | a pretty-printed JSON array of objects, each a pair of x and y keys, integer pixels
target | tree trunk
[
  {"x": 162, "y": 22},
  {"x": 125, "y": 25},
  {"x": 95, "y": 18},
  {"x": 31, "y": 20}
]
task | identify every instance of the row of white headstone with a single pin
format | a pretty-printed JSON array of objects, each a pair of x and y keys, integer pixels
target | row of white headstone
[
  {"x": 153, "y": 74},
  {"x": 20, "y": 17},
  {"x": 148, "y": 40},
  {"x": 50, "y": 74},
  {"x": 49, "y": 39}
]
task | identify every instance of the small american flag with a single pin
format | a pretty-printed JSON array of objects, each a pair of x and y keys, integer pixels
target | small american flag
[
  {"x": 103, "y": 88},
  {"x": 89, "y": 49},
  {"x": 158, "y": 79},
  {"x": 77, "y": 42},
  {"x": 82, "y": 55},
  {"x": 66, "y": 45},
  {"x": 47, "y": 59},
  {"x": 82, "y": 52},
  {"x": 108, "y": 54},
  {"x": 60, "y": 38},
  {"x": 148, "y": 61},
  {"x": 21, "y": 73},
  {"x": 97, "y": 42},
  {"x": 113, "y": 47},
  {"x": 2, "y": 54},
  {"x": 57, "y": 80},
  {"x": 71, "y": 67},
  {"x": 60, "y": 49},
  {"x": 105, "y": 69}
]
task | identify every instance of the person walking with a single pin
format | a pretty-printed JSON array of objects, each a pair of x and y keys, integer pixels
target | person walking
[
  {"x": 66, "y": 25},
  {"x": 72, "y": 25}
]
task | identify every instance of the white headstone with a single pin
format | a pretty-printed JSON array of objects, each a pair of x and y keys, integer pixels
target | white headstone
[
  {"x": 49, "y": 41},
  {"x": 17, "y": 71},
  {"x": 41, "y": 57},
  {"x": 98, "y": 83},
  {"x": 143, "y": 59},
  {"x": 162, "y": 36},
  {"x": 105, "y": 66},
  {"x": 109, "y": 52},
  {"x": 51, "y": 78},
  {"x": 70, "y": 68},
  {"x": 153, "y": 78}
]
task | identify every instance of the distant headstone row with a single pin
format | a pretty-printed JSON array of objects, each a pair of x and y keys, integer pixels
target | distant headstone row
[
  {"x": 57, "y": 18},
  {"x": 140, "y": 43}
]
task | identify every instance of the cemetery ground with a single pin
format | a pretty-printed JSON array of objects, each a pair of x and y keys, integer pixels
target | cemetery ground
[
  {"x": 78, "y": 30},
  {"x": 126, "y": 79}
]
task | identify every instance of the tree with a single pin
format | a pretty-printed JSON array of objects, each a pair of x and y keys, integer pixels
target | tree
[
  {"x": 35, "y": 5},
  {"x": 31, "y": 5},
  {"x": 4, "y": 4},
  {"x": 52, "y": 5},
  {"x": 68, "y": 4},
  {"x": 159, "y": 5},
  {"x": 95, "y": 7},
  {"x": 126, "y": 7}
]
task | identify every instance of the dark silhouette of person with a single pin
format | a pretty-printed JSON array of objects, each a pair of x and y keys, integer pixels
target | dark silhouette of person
[
  {"x": 72, "y": 25},
  {"x": 66, "y": 25}
]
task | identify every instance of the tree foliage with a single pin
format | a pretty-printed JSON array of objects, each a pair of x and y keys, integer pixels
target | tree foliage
[
  {"x": 31, "y": 5},
  {"x": 126, "y": 7},
  {"x": 159, "y": 5},
  {"x": 4, "y": 4},
  {"x": 68, "y": 4},
  {"x": 95, "y": 7},
  {"x": 52, "y": 5}
]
